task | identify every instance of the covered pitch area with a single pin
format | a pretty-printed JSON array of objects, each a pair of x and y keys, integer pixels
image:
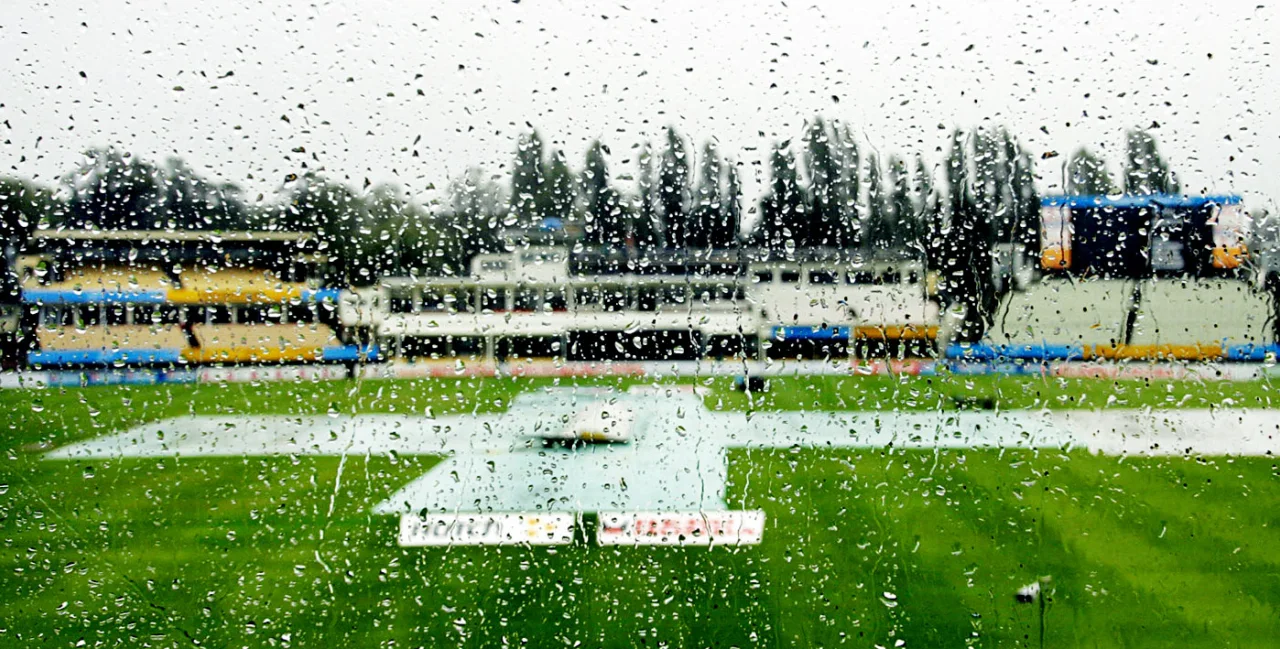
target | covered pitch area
[{"x": 251, "y": 514}]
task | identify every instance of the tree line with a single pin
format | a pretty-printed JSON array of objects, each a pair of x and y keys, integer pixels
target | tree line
[{"x": 825, "y": 190}]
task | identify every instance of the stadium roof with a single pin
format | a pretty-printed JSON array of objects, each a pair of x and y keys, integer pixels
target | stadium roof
[
  {"x": 211, "y": 236},
  {"x": 253, "y": 247},
  {"x": 1132, "y": 201}
]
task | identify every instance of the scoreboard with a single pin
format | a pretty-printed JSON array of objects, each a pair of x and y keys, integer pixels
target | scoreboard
[{"x": 1141, "y": 236}]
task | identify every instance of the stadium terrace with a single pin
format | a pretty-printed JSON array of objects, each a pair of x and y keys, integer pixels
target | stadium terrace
[{"x": 1159, "y": 277}]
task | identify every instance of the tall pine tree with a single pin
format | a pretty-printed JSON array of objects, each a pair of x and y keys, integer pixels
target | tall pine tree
[
  {"x": 966, "y": 253},
  {"x": 782, "y": 210},
  {"x": 1087, "y": 175},
  {"x": 647, "y": 230},
  {"x": 706, "y": 217},
  {"x": 528, "y": 181},
  {"x": 112, "y": 190},
  {"x": 826, "y": 226},
  {"x": 906, "y": 219},
  {"x": 879, "y": 229},
  {"x": 1146, "y": 171},
  {"x": 727, "y": 236},
  {"x": 559, "y": 195},
  {"x": 850, "y": 188},
  {"x": 1025, "y": 204},
  {"x": 929, "y": 208},
  {"x": 469, "y": 223},
  {"x": 673, "y": 190},
  {"x": 604, "y": 221}
]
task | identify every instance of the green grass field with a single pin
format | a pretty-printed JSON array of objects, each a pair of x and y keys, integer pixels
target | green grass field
[{"x": 863, "y": 547}]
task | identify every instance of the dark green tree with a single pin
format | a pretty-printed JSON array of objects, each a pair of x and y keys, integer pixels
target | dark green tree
[
  {"x": 605, "y": 222},
  {"x": 528, "y": 181},
  {"x": 378, "y": 233},
  {"x": 24, "y": 205},
  {"x": 827, "y": 226},
  {"x": 647, "y": 229},
  {"x": 673, "y": 190},
  {"x": 1003, "y": 213},
  {"x": 906, "y": 216},
  {"x": 782, "y": 210},
  {"x": 189, "y": 201},
  {"x": 1137, "y": 168},
  {"x": 1087, "y": 175},
  {"x": 420, "y": 248},
  {"x": 559, "y": 198},
  {"x": 850, "y": 187},
  {"x": 112, "y": 190},
  {"x": 928, "y": 216},
  {"x": 1025, "y": 204},
  {"x": 334, "y": 212},
  {"x": 727, "y": 236},
  {"x": 922, "y": 180},
  {"x": 957, "y": 174},
  {"x": 470, "y": 222},
  {"x": 966, "y": 259},
  {"x": 988, "y": 175},
  {"x": 707, "y": 215},
  {"x": 1146, "y": 171},
  {"x": 879, "y": 228}
]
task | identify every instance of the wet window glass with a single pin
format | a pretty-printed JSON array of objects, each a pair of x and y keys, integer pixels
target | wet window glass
[{"x": 599, "y": 324}]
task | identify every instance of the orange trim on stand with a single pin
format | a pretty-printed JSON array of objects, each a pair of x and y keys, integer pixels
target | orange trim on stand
[
  {"x": 1229, "y": 256},
  {"x": 1194, "y": 352},
  {"x": 1055, "y": 258},
  {"x": 249, "y": 354},
  {"x": 233, "y": 296},
  {"x": 896, "y": 332}
]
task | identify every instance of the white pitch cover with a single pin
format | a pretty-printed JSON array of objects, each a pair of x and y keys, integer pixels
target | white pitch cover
[
  {"x": 486, "y": 529},
  {"x": 681, "y": 528}
]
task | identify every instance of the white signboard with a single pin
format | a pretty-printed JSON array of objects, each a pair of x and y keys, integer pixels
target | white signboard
[
  {"x": 1055, "y": 235},
  {"x": 486, "y": 529},
  {"x": 681, "y": 528}
]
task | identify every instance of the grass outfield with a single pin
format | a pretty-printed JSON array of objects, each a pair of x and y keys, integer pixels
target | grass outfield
[{"x": 863, "y": 547}]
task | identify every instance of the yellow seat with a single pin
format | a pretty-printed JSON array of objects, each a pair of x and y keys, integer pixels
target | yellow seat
[
  {"x": 109, "y": 278},
  {"x": 234, "y": 286},
  {"x": 112, "y": 337},
  {"x": 242, "y": 343}
]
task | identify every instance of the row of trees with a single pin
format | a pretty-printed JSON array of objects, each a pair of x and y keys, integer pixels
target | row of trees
[
  {"x": 673, "y": 206},
  {"x": 1145, "y": 170},
  {"x": 826, "y": 190},
  {"x": 829, "y": 195}
]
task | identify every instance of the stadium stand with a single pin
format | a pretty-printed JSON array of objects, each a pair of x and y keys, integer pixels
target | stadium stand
[
  {"x": 1154, "y": 319},
  {"x": 1183, "y": 318},
  {"x": 1056, "y": 318},
  {"x": 555, "y": 303},
  {"x": 187, "y": 298},
  {"x": 109, "y": 345},
  {"x": 105, "y": 278},
  {"x": 241, "y": 285},
  {"x": 242, "y": 343},
  {"x": 1153, "y": 277},
  {"x": 115, "y": 337}
]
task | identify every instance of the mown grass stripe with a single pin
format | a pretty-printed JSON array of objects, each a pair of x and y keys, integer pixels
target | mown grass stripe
[{"x": 1182, "y": 599}]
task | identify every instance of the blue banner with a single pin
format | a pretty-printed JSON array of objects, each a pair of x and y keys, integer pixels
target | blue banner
[{"x": 99, "y": 296}]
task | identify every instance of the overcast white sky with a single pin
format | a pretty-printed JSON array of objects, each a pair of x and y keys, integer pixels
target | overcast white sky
[{"x": 347, "y": 77}]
